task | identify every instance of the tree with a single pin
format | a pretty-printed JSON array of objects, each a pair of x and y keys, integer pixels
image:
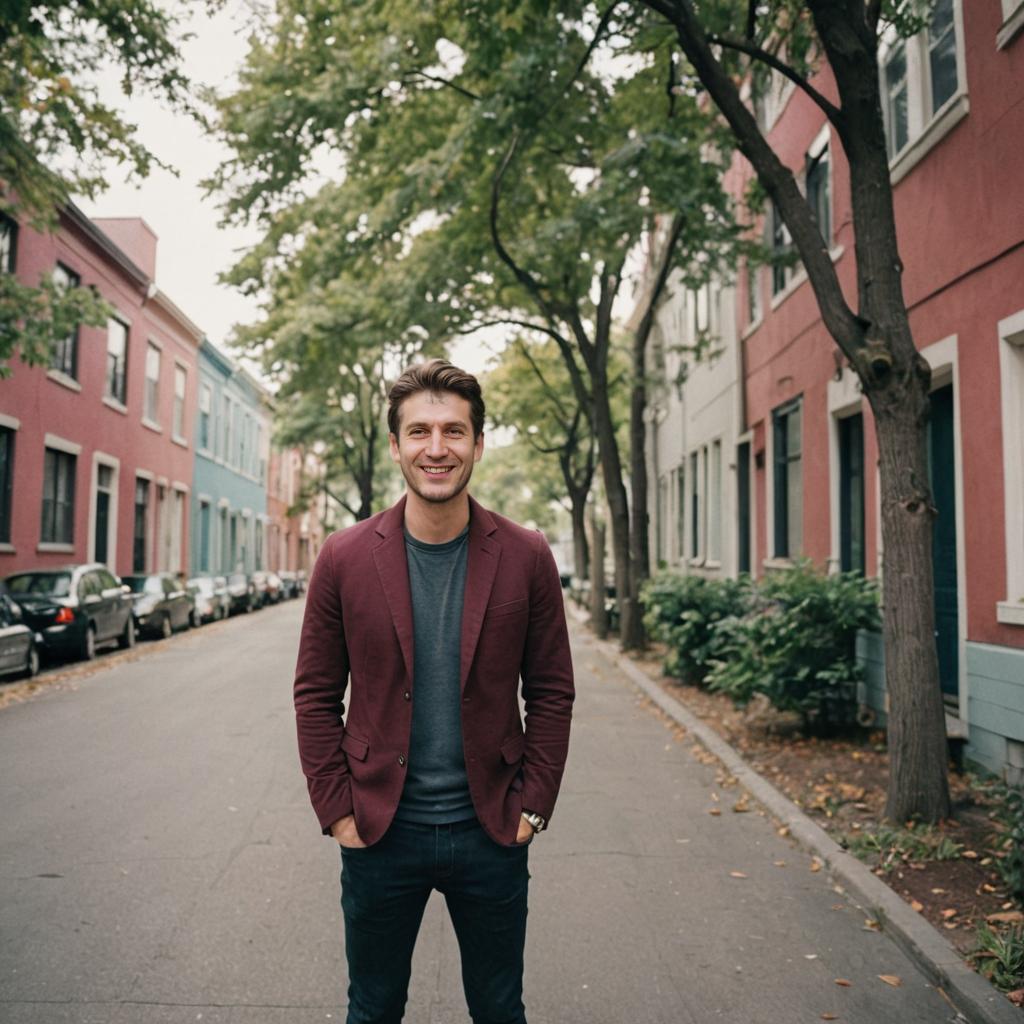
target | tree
[
  {"x": 726, "y": 43},
  {"x": 57, "y": 137},
  {"x": 489, "y": 161}
]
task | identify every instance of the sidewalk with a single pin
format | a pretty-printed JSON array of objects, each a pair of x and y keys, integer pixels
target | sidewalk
[{"x": 648, "y": 909}]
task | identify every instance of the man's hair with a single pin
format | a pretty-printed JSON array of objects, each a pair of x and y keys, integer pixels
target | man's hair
[{"x": 436, "y": 375}]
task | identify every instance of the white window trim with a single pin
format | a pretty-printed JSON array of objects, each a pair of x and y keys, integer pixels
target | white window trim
[
  {"x": 113, "y": 403},
  {"x": 1011, "y": 373},
  {"x": 48, "y": 546},
  {"x": 823, "y": 141},
  {"x": 145, "y": 474},
  {"x": 1013, "y": 22},
  {"x": 775, "y": 560},
  {"x": 844, "y": 400},
  {"x": 150, "y": 425},
  {"x": 747, "y": 437},
  {"x": 208, "y": 450},
  {"x": 925, "y": 130},
  {"x": 943, "y": 358},
  {"x": 61, "y": 378},
  {"x": 112, "y": 462},
  {"x": 9, "y": 422},
  {"x": 799, "y": 278},
  {"x": 61, "y": 444},
  {"x": 177, "y": 438}
]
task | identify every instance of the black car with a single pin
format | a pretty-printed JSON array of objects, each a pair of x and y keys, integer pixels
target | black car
[
  {"x": 19, "y": 651},
  {"x": 289, "y": 584},
  {"x": 162, "y": 603},
  {"x": 211, "y": 596},
  {"x": 242, "y": 592},
  {"x": 74, "y": 609}
]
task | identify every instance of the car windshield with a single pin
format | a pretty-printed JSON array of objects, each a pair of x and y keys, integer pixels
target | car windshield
[
  {"x": 52, "y": 584},
  {"x": 144, "y": 584}
]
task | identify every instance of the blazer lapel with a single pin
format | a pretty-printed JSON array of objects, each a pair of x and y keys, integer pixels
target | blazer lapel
[
  {"x": 482, "y": 566},
  {"x": 393, "y": 570}
]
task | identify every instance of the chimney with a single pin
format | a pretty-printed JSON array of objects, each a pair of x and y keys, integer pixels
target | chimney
[{"x": 134, "y": 237}]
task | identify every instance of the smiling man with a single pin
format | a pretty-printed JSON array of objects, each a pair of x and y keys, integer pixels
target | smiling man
[{"x": 432, "y": 612}]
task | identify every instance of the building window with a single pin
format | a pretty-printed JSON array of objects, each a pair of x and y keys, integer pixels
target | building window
[
  {"x": 242, "y": 436},
  {"x": 227, "y": 455},
  {"x": 141, "y": 520},
  {"x": 896, "y": 122},
  {"x": 205, "y": 411},
  {"x": 151, "y": 405},
  {"x": 942, "y": 54},
  {"x": 753, "y": 293},
  {"x": 782, "y": 248},
  {"x": 681, "y": 511},
  {"x": 6, "y": 482},
  {"x": 694, "y": 507},
  {"x": 714, "y": 503},
  {"x": 851, "y": 493},
  {"x": 117, "y": 359},
  {"x": 1011, "y": 374},
  {"x": 204, "y": 536},
  {"x": 179, "y": 401},
  {"x": 8, "y": 244},
  {"x": 65, "y": 352},
  {"x": 788, "y": 480},
  {"x": 819, "y": 198},
  {"x": 58, "y": 522},
  {"x": 743, "y": 554}
]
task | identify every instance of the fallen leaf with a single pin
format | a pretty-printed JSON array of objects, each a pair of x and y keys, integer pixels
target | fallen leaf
[
  {"x": 843, "y": 983},
  {"x": 815, "y": 864},
  {"x": 916, "y": 905},
  {"x": 780, "y": 863},
  {"x": 987, "y": 888},
  {"x": 737, "y": 874},
  {"x": 938, "y": 892},
  {"x": 1006, "y": 917},
  {"x": 784, "y": 831},
  {"x": 742, "y": 805},
  {"x": 951, "y": 925},
  {"x": 1017, "y": 997},
  {"x": 891, "y": 979},
  {"x": 830, "y": 1016},
  {"x": 949, "y": 912},
  {"x": 969, "y": 854},
  {"x": 871, "y": 925},
  {"x": 810, "y": 956},
  {"x": 838, "y": 906},
  {"x": 716, "y": 811}
]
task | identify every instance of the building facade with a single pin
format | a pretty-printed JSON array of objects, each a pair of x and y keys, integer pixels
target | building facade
[
  {"x": 294, "y": 530},
  {"x": 229, "y": 505},
  {"x": 804, "y": 477},
  {"x": 96, "y": 449}
]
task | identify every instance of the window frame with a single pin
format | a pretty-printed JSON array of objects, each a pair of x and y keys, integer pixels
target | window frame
[
  {"x": 9, "y": 229},
  {"x": 57, "y": 528},
  {"x": 64, "y": 358},
  {"x": 151, "y": 393},
  {"x": 782, "y": 459},
  {"x": 118, "y": 374},
  {"x": 8, "y": 443},
  {"x": 178, "y": 425},
  {"x": 1011, "y": 366}
]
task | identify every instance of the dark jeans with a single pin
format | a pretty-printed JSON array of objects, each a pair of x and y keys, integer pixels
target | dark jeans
[{"x": 384, "y": 889}]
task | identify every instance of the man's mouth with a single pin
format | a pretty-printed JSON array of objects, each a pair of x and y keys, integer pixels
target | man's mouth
[{"x": 437, "y": 470}]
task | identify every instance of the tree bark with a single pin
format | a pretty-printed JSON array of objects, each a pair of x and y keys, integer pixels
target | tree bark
[
  {"x": 580, "y": 548},
  {"x": 598, "y": 612}
]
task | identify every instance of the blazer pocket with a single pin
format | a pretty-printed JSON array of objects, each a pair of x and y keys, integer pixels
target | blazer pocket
[
  {"x": 354, "y": 746},
  {"x": 513, "y": 748},
  {"x": 508, "y": 608}
]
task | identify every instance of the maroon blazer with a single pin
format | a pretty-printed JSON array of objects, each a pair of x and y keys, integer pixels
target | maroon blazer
[{"x": 358, "y": 629}]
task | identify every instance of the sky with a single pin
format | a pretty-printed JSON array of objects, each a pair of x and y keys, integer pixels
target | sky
[{"x": 193, "y": 249}]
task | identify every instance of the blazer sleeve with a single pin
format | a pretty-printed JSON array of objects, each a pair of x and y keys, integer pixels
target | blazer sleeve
[
  {"x": 548, "y": 689},
  {"x": 321, "y": 677}
]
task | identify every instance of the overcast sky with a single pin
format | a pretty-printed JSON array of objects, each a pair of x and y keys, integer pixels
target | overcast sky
[{"x": 192, "y": 248}]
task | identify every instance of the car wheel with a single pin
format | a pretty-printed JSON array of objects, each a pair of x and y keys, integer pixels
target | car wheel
[
  {"x": 165, "y": 627},
  {"x": 32, "y": 665},
  {"x": 193, "y": 620},
  {"x": 126, "y": 641},
  {"x": 88, "y": 650}
]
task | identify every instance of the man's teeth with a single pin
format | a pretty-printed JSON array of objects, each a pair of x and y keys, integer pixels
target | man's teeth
[{"x": 437, "y": 470}]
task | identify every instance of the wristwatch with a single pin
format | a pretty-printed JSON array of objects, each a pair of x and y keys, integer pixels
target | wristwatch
[{"x": 537, "y": 823}]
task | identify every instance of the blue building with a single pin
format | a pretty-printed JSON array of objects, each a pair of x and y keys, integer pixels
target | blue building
[{"x": 229, "y": 491}]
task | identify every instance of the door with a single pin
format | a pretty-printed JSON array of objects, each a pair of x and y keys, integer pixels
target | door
[
  {"x": 942, "y": 468},
  {"x": 851, "y": 493},
  {"x": 743, "y": 507},
  {"x": 101, "y": 536}
]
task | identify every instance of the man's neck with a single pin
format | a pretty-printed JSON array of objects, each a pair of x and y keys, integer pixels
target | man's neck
[{"x": 436, "y": 523}]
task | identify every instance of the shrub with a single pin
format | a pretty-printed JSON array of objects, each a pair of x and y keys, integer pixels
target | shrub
[
  {"x": 1007, "y": 805},
  {"x": 796, "y": 645},
  {"x": 1000, "y": 957},
  {"x": 683, "y": 613}
]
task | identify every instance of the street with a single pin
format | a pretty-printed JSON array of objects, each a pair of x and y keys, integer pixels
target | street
[{"x": 160, "y": 863}]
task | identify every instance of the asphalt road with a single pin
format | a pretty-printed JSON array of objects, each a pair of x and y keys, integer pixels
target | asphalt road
[{"x": 159, "y": 863}]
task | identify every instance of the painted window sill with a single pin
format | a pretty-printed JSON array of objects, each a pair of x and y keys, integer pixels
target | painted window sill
[
  {"x": 7, "y": 549},
  {"x": 953, "y": 112},
  {"x": 1011, "y": 26},
  {"x": 61, "y": 378},
  {"x": 777, "y": 562},
  {"x": 152, "y": 425},
  {"x": 180, "y": 441},
  {"x": 53, "y": 546},
  {"x": 113, "y": 403},
  {"x": 1010, "y": 612}
]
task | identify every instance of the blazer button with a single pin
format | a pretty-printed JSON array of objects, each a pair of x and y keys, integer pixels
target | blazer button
[
  {"x": 407, "y": 695},
  {"x": 401, "y": 759}
]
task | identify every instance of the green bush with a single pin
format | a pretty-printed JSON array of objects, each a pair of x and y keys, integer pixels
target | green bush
[
  {"x": 683, "y": 613},
  {"x": 1007, "y": 804},
  {"x": 796, "y": 644}
]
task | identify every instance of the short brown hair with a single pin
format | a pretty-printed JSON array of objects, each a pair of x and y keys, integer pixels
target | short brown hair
[{"x": 437, "y": 375}]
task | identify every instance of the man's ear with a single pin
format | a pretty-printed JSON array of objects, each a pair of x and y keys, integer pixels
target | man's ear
[
  {"x": 393, "y": 447},
  {"x": 478, "y": 447}
]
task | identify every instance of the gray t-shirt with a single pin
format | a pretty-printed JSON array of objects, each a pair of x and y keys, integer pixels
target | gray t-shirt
[{"x": 436, "y": 789}]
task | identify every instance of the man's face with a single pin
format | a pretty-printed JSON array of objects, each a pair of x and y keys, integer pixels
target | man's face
[{"x": 435, "y": 447}]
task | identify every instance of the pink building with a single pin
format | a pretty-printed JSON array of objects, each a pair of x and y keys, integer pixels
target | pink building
[
  {"x": 97, "y": 448},
  {"x": 292, "y": 540},
  {"x": 798, "y": 477}
]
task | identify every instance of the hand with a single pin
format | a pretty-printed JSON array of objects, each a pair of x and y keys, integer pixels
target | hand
[
  {"x": 345, "y": 834},
  {"x": 525, "y": 832}
]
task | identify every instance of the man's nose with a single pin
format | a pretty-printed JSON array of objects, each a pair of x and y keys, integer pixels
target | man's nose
[{"x": 437, "y": 446}]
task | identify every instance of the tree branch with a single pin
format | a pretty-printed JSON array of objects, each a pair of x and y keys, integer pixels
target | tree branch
[
  {"x": 539, "y": 374},
  {"x": 751, "y": 19},
  {"x": 443, "y": 81},
  {"x": 832, "y": 112}
]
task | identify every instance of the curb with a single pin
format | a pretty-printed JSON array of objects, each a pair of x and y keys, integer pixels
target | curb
[{"x": 972, "y": 995}]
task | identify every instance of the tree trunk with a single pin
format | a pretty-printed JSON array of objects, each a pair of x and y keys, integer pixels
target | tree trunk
[
  {"x": 639, "y": 525},
  {"x": 598, "y": 612},
  {"x": 579, "y": 536}
]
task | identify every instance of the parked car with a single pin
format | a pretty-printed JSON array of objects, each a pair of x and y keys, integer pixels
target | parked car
[
  {"x": 162, "y": 604},
  {"x": 75, "y": 609},
  {"x": 300, "y": 577},
  {"x": 274, "y": 588},
  {"x": 211, "y": 596},
  {"x": 242, "y": 593},
  {"x": 259, "y": 582},
  {"x": 19, "y": 645},
  {"x": 289, "y": 584}
]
